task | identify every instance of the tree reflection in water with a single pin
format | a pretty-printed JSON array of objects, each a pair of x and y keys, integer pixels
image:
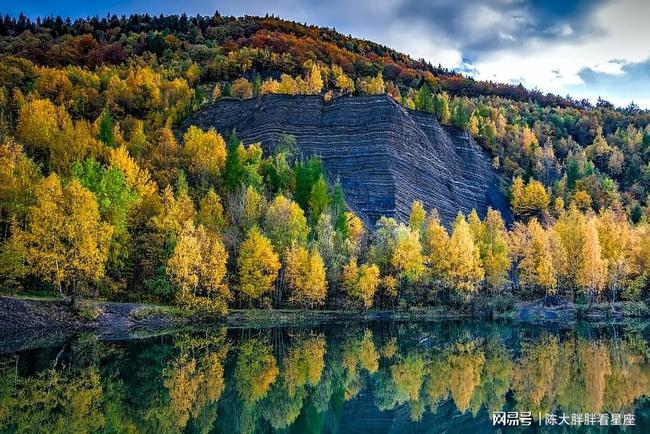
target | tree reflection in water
[{"x": 409, "y": 377}]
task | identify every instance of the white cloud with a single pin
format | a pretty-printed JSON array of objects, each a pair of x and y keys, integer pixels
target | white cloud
[
  {"x": 554, "y": 66},
  {"x": 418, "y": 42}
]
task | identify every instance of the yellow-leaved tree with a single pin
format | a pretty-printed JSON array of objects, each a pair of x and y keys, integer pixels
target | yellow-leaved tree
[
  {"x": 314, "y": 79},
  {"x": 536, "y": 270},
  {"x": 436, "y": 242},
  {"x": 65, "y": 242},
  {"x": 618, "y": 249},
  {"x": 137, "y": 178},
  {"x": 591, "y": 274},
  {"x": 528, "y": 200},
  {"x": 211, "y": 211},
  {"x": 258, "y": 265},
  {"x": 418, "y": 216},
  {"x": 204, "y": 152},
  {"x": 360, "y": 283},
  {"x": 494, "y": 250},
  {"x": 285, "y": 223},
  {"x": 198, "y": 268},
  {"x": 465, "y": 269},
  {"x": 355, "y": 229},
  {"x": 305, "y": 275},
  {"x": 407, "y": 253},
  {"x": 570, "y": 230}
]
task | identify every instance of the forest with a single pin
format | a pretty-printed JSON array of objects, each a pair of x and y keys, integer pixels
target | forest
[{"x": 102, "y": 196}]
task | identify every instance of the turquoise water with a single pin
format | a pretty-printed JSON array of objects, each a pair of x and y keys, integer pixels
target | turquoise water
[{"x": 451, "y": 377}]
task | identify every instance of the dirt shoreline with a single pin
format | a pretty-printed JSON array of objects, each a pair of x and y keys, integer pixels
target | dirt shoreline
[{"x": 28, "y": 323}]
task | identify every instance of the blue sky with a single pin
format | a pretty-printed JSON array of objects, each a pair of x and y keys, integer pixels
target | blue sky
[{"x": 585, "y": 48}]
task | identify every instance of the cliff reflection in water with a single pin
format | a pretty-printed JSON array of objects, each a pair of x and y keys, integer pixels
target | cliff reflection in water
[{"x": 408, "y": 377}]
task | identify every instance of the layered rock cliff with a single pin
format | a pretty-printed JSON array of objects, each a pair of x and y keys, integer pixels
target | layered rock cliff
[{"x": 384, "y": 155}]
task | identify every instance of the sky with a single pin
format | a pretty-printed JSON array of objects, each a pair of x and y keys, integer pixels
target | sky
[{"x": 582, "y": 48}]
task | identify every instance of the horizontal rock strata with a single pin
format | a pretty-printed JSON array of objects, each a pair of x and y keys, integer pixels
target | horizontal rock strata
[{"x": 385, "y": 156}]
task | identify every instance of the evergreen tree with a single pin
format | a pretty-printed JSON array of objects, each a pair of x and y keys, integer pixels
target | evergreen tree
[
  {"x": 306, "y": 173},
  {"x": 319, "y": 199},
  {"x": 337, "y": 207},
  {"x": 233, "y": 169},
  {"x": 257, "y": 84},
  {"x": 441, "y": 105},
  {"x": 227, "y": 90},
  {"x": 105, "y": 133}
]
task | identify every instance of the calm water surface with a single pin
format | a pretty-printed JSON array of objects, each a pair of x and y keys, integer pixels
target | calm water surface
[{"x": 345, "y": 378}]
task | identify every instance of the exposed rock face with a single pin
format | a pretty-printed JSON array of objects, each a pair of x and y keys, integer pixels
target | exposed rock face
[{"x": 384, "y": 155}]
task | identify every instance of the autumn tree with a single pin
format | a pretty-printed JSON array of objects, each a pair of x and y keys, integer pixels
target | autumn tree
[
  {"x": 114, "y": 198},
  {"x": 354, "y": 229},
  {"x": 18, "y": 177},
  {"x": 418, "y": 216},
  {"x": 591, "y": 273},
  {"x": 211, "y": 211},
  {"x": 494, "y": 250},
  {"x": 570, "y": 229},
  {"x": 344, "y": 83},
  {"x": 372, "y": 85},
  {"x": 473, "y": 126},
  {"x": 407, "y": 256},
  {"x": 618, "y": 246},
  {"x": 241, "y": 88},
  {"x": 465, "y": 269},
  {"x": 436, "y": 247},
  {"x": 39, "y": 122},
  {"x": 441, "y": 106},
  {"x": 530, "y": 199},
  {"x": 164, "y": 158},
  {"x": 360, "y": 283},
  {"x": 198, "y": 268},
  {"x": 285, "y": 223},
  {"x": 305, "y": 275},
  {"x": 65, "y": 242},
  {"x": 536, "y": 270},
  {"x": 258, "y": 265},
  {"x": 204, "y": 152},
  {"x": 314, "y": 79},
  {"x": 137, "y": 178}
]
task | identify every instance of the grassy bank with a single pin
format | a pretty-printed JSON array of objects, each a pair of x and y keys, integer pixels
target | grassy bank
[{"x": 34, "y": 312}]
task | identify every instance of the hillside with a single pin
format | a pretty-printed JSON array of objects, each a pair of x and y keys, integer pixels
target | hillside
[
  {"x": 384, "y": 155},
  {"x": 113, "y": 182}
]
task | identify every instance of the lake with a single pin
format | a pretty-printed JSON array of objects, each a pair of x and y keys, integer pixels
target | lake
[{"x": 383, "y": 377}]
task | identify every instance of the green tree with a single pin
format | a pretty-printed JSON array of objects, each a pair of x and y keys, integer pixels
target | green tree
[
  {"x": 234, "y": 170},
  {"x": 285, "y": 223},
  {"x": 425, "y": 101},
  {"x": 106, "y": 126},
  {"x": 441, "y": 105},
  {"x": 115, "y": 199},
  {"x": 306, "y": 174},
  {"x": 319, "y": 199}
]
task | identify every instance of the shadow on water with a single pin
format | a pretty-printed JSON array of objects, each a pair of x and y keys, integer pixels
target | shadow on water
[{"x": 376, "y": 377}]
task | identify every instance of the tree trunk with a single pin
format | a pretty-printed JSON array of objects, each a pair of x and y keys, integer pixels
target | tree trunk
[{"x": 73, "y": 294}]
